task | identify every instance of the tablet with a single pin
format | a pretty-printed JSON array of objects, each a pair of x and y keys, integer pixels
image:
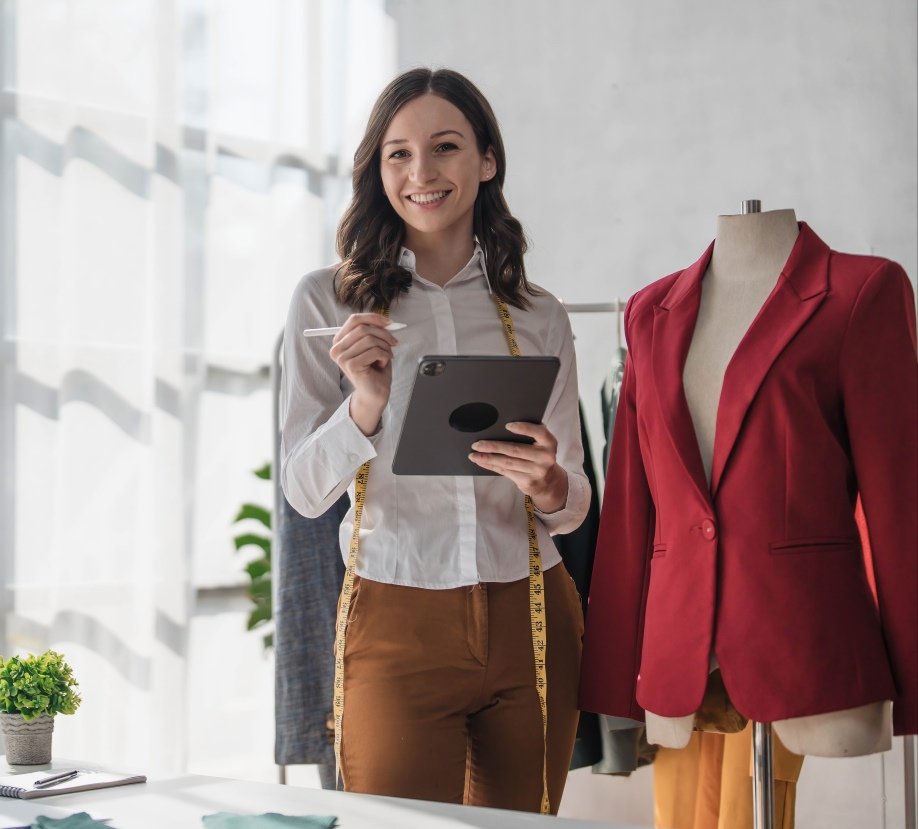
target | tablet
[{"x": 458, "y": 399}]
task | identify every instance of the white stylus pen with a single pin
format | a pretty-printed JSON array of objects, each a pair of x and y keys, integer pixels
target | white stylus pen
[{"x": 330, "y": 332}]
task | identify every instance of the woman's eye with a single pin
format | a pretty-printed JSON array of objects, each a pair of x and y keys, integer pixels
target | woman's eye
[
  {"x": 446, "y": 146},
  {"x": 398, "y": 155}
]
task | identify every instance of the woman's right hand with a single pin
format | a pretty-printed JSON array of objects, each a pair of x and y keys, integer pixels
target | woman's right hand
[{"x": 362, "y": 349}]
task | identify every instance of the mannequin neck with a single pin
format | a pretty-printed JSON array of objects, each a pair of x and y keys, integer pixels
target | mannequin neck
[{"x": 752, "y": 246}]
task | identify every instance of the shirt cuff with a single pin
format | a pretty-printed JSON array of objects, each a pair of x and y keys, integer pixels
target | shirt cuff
[
  {"x": 323, "y": 465},
  {"x": 342, "y": 433},
  {"x": 571, "y": 515}
]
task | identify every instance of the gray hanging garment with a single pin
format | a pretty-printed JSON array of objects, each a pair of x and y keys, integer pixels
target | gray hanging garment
[
  {"x": 608, "y": 395},
  {"x": 310, "y": 571}
]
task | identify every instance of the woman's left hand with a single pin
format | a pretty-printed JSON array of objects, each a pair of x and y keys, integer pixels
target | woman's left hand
[{"x": 532, "y": 467}]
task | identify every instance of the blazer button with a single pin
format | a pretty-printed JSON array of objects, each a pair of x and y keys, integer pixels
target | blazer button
[{"x": 708, "y": 529}]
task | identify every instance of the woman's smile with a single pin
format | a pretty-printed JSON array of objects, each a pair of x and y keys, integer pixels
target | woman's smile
[{"x": 430, "y": 200}]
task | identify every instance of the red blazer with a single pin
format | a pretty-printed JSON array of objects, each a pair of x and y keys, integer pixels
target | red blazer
[{"x": 764, "y": 567}]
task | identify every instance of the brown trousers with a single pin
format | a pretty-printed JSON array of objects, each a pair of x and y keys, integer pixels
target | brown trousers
[{"x": 439, "y": 692}]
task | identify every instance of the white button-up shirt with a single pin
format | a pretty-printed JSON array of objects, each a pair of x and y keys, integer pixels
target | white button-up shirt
[{"x": 423, "y": 531}]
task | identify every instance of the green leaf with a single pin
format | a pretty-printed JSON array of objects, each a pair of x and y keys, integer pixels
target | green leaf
[
  {"x": 260, "y": 615},
  {"x": 254, "y": 512},
  {"x": 264, "y": 472},
  {"x": 260, "y": 588},
  {"x": 258, "y": 568},
  {"x": 256, "y": 540},
  {"x": 268, "y": 641}
]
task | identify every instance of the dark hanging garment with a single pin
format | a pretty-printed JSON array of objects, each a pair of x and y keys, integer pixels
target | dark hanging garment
[
  {"x": 577, "y": 549},
  {"x": 310, "y": 571}
]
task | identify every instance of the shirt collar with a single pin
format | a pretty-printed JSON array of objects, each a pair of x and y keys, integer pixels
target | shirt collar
[{"x": 475, "y": 268}]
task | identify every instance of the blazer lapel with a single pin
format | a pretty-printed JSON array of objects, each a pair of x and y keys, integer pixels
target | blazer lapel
[
  {"x": 800, "y": 290},
  {"x": 673, "y": 325}
]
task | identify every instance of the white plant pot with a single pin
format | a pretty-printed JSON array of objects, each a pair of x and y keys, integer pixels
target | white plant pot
[{"x": 28, "y": 742}]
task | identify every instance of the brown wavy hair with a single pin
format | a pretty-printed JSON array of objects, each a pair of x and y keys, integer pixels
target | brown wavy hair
[{"x": 371, "y": 233}]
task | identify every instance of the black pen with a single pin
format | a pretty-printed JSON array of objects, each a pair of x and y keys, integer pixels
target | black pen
[{"x": 54, "y": 779}]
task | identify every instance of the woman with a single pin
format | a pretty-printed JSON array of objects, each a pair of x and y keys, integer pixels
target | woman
[{"x": 436, "y": 643}]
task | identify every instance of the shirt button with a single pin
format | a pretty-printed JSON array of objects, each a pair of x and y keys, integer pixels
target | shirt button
[{"x": 708, "y": 529}]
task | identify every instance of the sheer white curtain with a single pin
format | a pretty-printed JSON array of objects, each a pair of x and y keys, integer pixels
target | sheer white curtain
[{"x": 169, "y": 170}]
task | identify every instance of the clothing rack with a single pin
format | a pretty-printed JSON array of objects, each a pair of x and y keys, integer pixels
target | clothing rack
[
  {"x": 616, "y": 307},
  {"x": 276, "y": 365}
]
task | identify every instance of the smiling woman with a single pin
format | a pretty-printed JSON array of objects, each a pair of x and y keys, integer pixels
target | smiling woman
[
  {"x": 432, "y": 142},
  {"x": 450, "y": 682}
]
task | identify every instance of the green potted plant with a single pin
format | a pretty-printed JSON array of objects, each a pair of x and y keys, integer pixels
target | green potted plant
[
  {"x": 33, "y": 689},
  {"x": 259, "y": 569}
]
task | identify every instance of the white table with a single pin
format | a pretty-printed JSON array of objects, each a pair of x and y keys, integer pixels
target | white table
[{"x": 180, "y": 802}]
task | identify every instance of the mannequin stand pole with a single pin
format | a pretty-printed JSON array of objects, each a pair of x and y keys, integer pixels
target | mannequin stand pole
[
  {"x": 911, "y": 782},
  {"x": 763, "y": 775},
  {"x": 763, "y": 784}
]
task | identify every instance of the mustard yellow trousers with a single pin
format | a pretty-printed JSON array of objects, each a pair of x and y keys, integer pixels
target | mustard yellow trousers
[{"x": 708, "y": 784}]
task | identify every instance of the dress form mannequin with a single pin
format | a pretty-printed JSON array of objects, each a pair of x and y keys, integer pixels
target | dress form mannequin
[{"x": 749, "y": 253}]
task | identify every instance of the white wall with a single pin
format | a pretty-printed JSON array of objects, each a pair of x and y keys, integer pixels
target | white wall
[{"x": 631, "y": 125}]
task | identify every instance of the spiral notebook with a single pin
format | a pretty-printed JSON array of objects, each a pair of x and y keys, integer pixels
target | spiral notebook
[{"x": 22, "y": 785}]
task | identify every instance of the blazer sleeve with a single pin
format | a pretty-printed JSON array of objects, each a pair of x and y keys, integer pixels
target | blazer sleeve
[
  {"x": 618, "y": 588},
  {"x": 879, "y": 384}
]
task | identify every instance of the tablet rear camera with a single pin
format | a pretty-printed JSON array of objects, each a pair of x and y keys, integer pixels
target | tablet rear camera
[
  {"x": 432, "y": 368},
  {"x": 473, "y": 417}
]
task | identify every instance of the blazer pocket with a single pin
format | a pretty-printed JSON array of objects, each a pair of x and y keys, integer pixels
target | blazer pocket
[
  {"x": 796, "y": 546},
  {"x": 659, "y": 550}
]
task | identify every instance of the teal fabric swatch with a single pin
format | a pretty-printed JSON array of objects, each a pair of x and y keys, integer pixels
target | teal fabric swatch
[
  {"x": 269, "y": 820},
  {"x": 81, "y": 820}
]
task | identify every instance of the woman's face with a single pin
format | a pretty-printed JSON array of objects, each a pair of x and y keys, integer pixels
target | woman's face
[{"x": 431, "y": 167}]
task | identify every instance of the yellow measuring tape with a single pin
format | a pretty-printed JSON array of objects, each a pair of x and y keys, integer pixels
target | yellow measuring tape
[
  {"x": 538, "y": 625},
  {"x": 537, "y": 622},
  {"x": 344, "y": 604}
]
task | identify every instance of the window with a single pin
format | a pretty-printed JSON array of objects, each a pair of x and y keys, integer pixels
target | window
[{"x": 169, "y": 171}]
